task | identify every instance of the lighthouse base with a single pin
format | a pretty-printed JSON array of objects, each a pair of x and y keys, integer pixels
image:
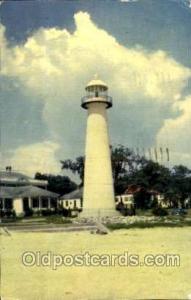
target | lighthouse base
[{"x": 99, "y": 213}]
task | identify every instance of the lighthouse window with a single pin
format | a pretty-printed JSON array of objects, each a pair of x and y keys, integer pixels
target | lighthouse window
[{"x": 96, "y": 94}]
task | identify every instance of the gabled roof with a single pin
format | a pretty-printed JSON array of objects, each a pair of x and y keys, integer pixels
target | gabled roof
[
  {"x": 16, "y": 178},
  {"x": 132, "y": 189},
  {"x": 4, "y": 193},
  {"x": 25, "y": 191},
  {"x": 77, "y": 194},
  {"x": 13, "y": 175}
]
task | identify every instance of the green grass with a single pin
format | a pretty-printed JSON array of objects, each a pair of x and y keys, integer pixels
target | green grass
[
  {"x": 139, "y": 225},
  {"x": 56, "y": 219},
  {"x": 144, "y": 212}
]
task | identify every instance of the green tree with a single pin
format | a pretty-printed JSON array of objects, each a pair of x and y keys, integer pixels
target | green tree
[
  {"x": 129, "y": 168},
  {"x": 152, "y": 175},
  {"x": 57, "y": 183},
  {"x": 76, "y": 166},
  {"x": 181, "y": 184},
  {"x": 123, "y": 162}
]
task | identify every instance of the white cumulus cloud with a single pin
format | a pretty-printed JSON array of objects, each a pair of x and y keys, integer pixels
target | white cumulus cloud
[
  {"x": 55, "y": 64},
  {"x": 176, "y": 133},
  {"x": 39, "y": 157}
]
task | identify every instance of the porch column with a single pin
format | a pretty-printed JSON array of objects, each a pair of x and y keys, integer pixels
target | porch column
[
  {"x": 49, "y": 206},
  {"x": 18, "y": 206},
  {"x": 40, "y": 203},
  {"x": 30, "y": 203},
  {"x": 3, "y": 204}
]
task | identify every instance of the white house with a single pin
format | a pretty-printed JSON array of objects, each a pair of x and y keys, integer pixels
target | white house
[
  {"x": 21, "y": 193},
  {"x": 127, "y": 200},
  {"x": 72, "y": 201}
]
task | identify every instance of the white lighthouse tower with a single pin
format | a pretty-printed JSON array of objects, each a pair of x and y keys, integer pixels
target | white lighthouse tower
[{"x": 98, "y": 194}]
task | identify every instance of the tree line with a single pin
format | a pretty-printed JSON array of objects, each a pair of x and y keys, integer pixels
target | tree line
[{"x": 130, "y": 168}]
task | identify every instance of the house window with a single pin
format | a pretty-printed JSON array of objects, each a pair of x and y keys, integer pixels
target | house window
[
  {"x": 26, "y": 204},
  {"x": 53, "y": 203},
  {"x": 8, "y": 203},
  {"x": 1, "y": 203},
  {"x": 126, "y": 198},
  {"x": 44, "y": 202},
  {"x": 66, "y": 202},
  {"x": 74, "y": 203},
  {"x": 35, "y": 202}
]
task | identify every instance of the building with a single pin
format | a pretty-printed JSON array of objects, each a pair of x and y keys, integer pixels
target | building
[
  {"x": 126, "y": 200},
  {"x": 20, "y": 193},
  {"x": 98, "y": 193},
  {"x": 72, "y": 201},
  {"x": 152, "y": 195}
]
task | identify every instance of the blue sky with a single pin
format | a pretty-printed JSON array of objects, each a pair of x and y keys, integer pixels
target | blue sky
[{"x": 51, "y": 49}]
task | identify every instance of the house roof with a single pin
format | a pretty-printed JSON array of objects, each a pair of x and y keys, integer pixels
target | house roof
[
  {"x": 4, "y": 193},
  {"x": 25, "y": 191},
  {"x": 132, "y": 189},
  {"x": 17, "y": 178},
  {"x": 77, "y": 194},
  {"x": 13, "y": 175}
]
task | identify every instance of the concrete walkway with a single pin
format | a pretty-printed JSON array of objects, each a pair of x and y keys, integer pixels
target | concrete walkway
[{"x": 49, "y": 227}]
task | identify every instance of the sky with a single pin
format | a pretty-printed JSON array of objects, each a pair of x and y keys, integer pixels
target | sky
[{"x": 51, "y": 49}]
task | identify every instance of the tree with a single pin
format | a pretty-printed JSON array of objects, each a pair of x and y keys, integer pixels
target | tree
[
  {"x": 152, "y": 175},
  {"x": 129, "y": 168},
  {"x": 57, "y": 183},
  {"x": 124, "y": 161},
  {"x": 142, "y": 199},
  {"x": 76, "y": 166},
  {"x": 181, "y": 183}
]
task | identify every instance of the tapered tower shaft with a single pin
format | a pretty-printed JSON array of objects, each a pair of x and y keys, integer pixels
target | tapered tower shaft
[{"x": 98, "y": 195}]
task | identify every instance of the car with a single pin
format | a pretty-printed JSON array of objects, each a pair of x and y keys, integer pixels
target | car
[{"x": 179, "y": 212}]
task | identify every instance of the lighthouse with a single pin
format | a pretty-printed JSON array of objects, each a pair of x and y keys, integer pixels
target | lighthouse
[{"x": 98, "y": 192}]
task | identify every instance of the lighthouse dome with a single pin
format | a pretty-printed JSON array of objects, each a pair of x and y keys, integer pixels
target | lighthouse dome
[
  {"x": 96, "y": 92},
  {"x": 96, "y": 82}
]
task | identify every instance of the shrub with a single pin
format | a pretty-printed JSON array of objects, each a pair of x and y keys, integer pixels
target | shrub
[
  {"x": 2, "y": 213},
  {"x": 48, "y": 212},
  {"x": 14, "y": 214},
  {"x": 57, "y": 219},
  {"x": 66, "y": 212},
  {"x": 159, "y": 211},
  {"x": 38, "y": 213},
  {"x": 29, "y": 212},
  {"x": 8, "y": 214}
]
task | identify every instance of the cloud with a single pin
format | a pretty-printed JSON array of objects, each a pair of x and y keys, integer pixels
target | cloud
[
  {"x": 176, "y": 133},
  {"x": 39, "y": 157},
  {"x": 186, "y": 3},
  {"x": 54, "y": 65}
]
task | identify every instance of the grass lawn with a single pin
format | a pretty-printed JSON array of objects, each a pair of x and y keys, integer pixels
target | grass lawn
[{"x": 97, "y": 282}]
